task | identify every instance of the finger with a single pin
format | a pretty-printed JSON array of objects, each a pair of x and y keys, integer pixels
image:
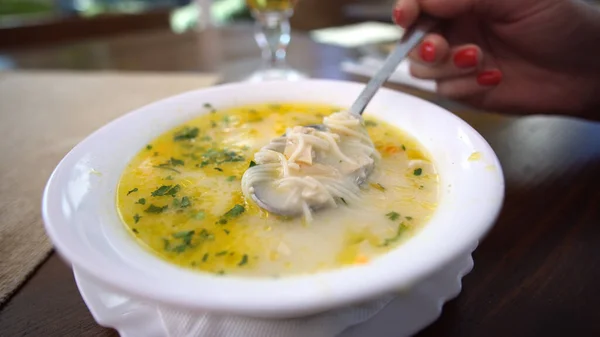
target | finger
[
  {"x": 405, "y": 13},
  {"x": 462, "y": 60},
  {"x": 433, "y": 50},
  {"x": 471, "y": 85}
]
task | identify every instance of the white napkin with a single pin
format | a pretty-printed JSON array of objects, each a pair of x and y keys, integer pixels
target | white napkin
[
  {"x": 368, "y": 65},
  {"x": 356, "y": 35}
]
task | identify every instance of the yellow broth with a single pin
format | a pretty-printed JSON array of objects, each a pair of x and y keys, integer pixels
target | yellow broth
[{"x": 181, "y": 198}]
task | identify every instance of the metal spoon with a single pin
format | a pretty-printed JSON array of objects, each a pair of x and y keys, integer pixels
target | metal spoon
[{"x": 410, "y": 40}]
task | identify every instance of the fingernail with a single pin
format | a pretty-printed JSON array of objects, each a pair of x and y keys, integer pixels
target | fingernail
[
  {"x": 397, "y": 16},
  {"x": 466, "y": 58},
  {"x": 427, "y": 51},
  {"x": 489, "y": 77}
]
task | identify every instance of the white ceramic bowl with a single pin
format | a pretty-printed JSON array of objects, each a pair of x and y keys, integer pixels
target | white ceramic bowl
[{"x": 81, "y": 219}]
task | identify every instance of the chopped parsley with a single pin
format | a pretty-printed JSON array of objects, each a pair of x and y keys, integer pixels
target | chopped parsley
[
  {"x": 252, "y": 164},
  {"x": 230, "y": 178},
  {"x": 418, "y": 171},
  {"x": 370, "y": 123},
  {"x": 136, "y": 218},
  {"x": 393, "y": 216},
  {"x": 186, "y": 242},
  {"x": 166, "y": 190},
  {"x": 206, "y": 235},
  {"x": 221, "y": 221},
  {"x": 134, "y": 230},
  {"x": 185, "y": 202},
  {"x": 219, "y": 169},
  {"x": 148, "y": 147},
  {"x": 236, "y": 211},
  {"x": 399, "y": 233},
  {"x": 244, "y": 260},
  {"x": 226, "y": 231},
  {"x": 132, "y": 191},
  {"x": 409, "y": 218},
  {"x": 344, "y": 201},
  {"x": 205, "y": 257},
  {"x": 161, "y": 190},
  {"x": 141, "y": 201},
  {"x": 200, "y": 215},
  {"x": 186, "y": 133},
  {"x": 403, "y": 147},
  {"x": 169, "y": 178},
  {"x": 156, "y": 209},
  {"x": 221, "y": 253},
  {"x": 176, "y": 162},
  {"x": 166, "y": 167}
]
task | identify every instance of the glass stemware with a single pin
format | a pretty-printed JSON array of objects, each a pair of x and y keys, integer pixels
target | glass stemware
[{"x": 272, "y": 34}]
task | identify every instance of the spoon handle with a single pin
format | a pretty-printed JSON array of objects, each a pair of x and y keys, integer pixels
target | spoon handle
[{"x": 411, "y": 39}]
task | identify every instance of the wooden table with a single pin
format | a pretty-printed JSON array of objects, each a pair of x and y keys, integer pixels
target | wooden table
[{"x": 536, "y": 273}]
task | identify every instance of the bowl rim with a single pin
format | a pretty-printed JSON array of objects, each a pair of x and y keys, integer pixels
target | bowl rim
[{"x": 302, "y": 302}]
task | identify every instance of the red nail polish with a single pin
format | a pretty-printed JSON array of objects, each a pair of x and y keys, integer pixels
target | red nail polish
[
  {"x": 466, "y": 58},
  {"x": 489, "y": 77},
  {"x": 397, "y": 16},
  {"x": 427, "y": 51}
]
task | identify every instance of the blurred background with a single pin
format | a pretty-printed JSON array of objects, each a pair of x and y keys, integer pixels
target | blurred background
[{"x": 51, "y": 20}]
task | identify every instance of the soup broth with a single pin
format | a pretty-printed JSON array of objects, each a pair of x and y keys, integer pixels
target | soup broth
[{"x": 181, "y": 197}]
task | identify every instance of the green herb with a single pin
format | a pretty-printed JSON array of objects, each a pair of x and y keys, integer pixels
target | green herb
[
  {"x": 217, "y": 157},
  {"x": 186, "y": 133},
  {"x": 226, "y": 119},
  {"x": 236, "y": 211},
  {"x": 134, "y": 230},
  {"x": 344, "y": 201},
  {"x": 208, "y": 106},
  {"x": 418, "y": 172},
  {"x": 173, "y": 190},
  {"x": 141, "y": 201},
  {"x": 161, "y": 191},
  {"x": 136, "y": 218},
  {"x": 252, "y": 164},
  {"x": 213, "y": 124},
  {"x": 156, "y": 209},
  {"x": 193, "y": 264},
  {"x": 205, "y": 257},
  {"x": 221, "y": 253},
  {"x": 244, "y": 260},
  {"x": 393, "y": 216},
  {"x": 133, "y": 190},
  {"x": 226, "y": 231},
  {"x": 176, "y": 162},
  {"x": 186, "y": 241},
  {"x": 219, "y": 169},
  {"x": 185, "y": 235},
  {"x": 169, "y": 178},
  {"x": 222, "y": 221},
  {"x": 230, "y": 178},
  {"x": 421, "y": 187},
  {"x": 370, "y": 123},
  {"x": 403, "y": 147},
  {"x": 221, "y": 272},
  {"x": 200, "y": 215},
  {"x": 206, "y": 235},
  {"x": 185, "y": 202},
  {"x": 409, "y": 218},
  {"x": 148, "y": 147},
  {"x": 399, "y": 233}
]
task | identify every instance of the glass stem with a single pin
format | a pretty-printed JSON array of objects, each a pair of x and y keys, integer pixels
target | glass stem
[{"x": 272, "y": 33}]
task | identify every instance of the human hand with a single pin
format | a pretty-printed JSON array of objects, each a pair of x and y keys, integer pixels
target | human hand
[{"x": 517, "y": 55}]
